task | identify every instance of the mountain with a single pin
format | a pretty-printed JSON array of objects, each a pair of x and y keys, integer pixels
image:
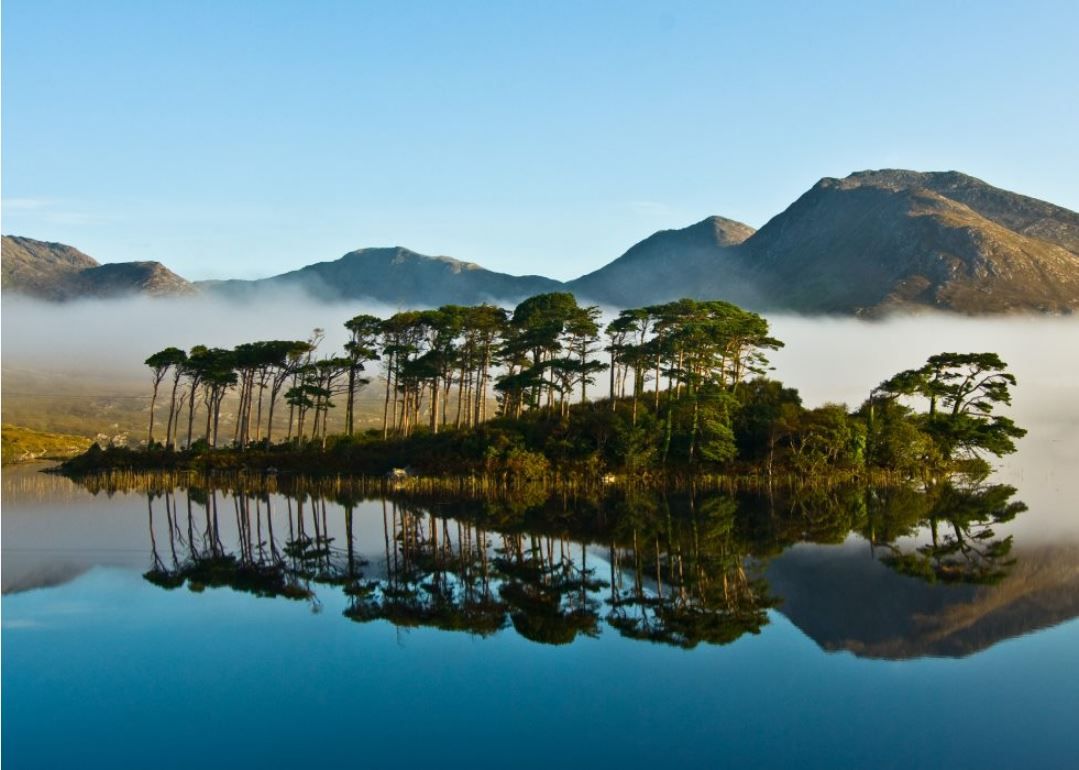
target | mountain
[
  {"x": 879, "y": 241},
  {"x": 695, "y": 261},
  {"x": 55, "y": 271},
  {"x": 396, "y": 276}
]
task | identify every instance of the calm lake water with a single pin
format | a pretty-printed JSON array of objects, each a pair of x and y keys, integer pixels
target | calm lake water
[
  {"x": 187, "y": 626},
  {"x": 184, "y": 626}
]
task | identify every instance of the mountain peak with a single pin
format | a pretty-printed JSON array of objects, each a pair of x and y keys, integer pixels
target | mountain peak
[
  {"x": 691, "y": 261},
  {"x": 728, "y": 232},
  {"x": 120, "y": 278},
  {"x": 398, "y": 276},
  {"x": 902, "y": 179},
  {"x": 401, "y": 255}
]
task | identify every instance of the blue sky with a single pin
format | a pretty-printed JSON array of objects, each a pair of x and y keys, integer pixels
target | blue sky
[{"x": 245, "y": 139}]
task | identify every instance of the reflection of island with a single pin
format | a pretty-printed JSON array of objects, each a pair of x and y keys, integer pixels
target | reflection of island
[
  {"x": 925, "y": 573},
  {"x": 929, "y": 574},
  {"x": 676, "y": 578}
]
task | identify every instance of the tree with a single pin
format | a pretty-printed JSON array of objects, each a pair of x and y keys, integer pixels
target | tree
[
  {"x": 194, "y": 369},
  {"x": 541, "y": 330},
  {"x": 218, "y": 377},
  {"x": 361, "y": 348},
  {"x": 160, "y": 363},
  {"x": 962, "y": 391},
  {"x": 280, "y": 358}
]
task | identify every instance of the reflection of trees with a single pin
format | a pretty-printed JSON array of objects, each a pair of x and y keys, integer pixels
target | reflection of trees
[
  {"x": 684, "y": 567},
  {"x": 771, "y": 520},
  {"x": 547, "y": 588},
  {"x": 199, "y": 558},
  {"x": 685, "y": 580},
  {"x": 959, "y": 519},
  {"x": 437, "y": 574}
]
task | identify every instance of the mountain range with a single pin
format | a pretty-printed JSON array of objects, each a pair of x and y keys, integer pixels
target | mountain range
[{"x": 869, "y": 244}]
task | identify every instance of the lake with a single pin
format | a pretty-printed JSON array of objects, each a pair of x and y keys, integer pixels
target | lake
[
  {"x": 179, "y": 623},
  {"x": 199, "y": 625}
]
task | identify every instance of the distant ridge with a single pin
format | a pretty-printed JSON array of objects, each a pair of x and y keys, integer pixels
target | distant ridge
[
  {"x": 873, "y": 243},
  {"x": 869, "y": 244},
  {"x": 398, "y": 277}
]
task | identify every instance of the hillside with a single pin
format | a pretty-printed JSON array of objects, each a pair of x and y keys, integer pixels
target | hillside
[
  {"x": 25, "y": 445},
  {"x": 398, "y": 277},
  {"x": 55, "y": 271}
]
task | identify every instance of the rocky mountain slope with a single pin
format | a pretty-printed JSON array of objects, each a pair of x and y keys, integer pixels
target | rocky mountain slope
[
  {"x": 55, "y": 271},
  {"x": 38, "y": 268},
  {"x": 872, "y": 243},
  {"x": 899, "y": 240}
]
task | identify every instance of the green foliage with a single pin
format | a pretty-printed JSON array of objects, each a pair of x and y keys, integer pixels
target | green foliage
[
  {"x": 895, "y": 439},
  {"x": 766, "y": 414},
  {"x": 961, "y": 390}
]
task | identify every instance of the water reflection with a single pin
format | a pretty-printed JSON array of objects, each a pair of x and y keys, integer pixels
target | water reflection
[
  {"x": 963, "y": 546},
  {"x": 679, "y": 569}
]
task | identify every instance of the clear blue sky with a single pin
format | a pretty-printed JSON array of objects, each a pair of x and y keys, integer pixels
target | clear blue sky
[{"x": 245, "y": 139}]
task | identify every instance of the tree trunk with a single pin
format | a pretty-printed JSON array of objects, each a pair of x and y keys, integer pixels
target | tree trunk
[
  {"x": 258, "y": 413},
  {"x": 153, "y": 402},
  {"x": 351, "y": 399},
  {"x": 191, "y": 413},
  {"x": 174, "y": 416},
  {"x": 386, "y": 405},
  {"x": 614, "y": 361}
]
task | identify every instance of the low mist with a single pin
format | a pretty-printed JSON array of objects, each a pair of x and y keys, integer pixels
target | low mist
[
  {"x": 826, "y": 359},
  {"x": 116, "y": 336}
]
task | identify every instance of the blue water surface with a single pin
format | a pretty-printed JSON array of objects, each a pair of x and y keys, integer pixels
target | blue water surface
[{"x": 109, "y": 671}]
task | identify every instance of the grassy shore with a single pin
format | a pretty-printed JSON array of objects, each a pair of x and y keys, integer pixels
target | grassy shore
[{"x": 26, "y": 445}]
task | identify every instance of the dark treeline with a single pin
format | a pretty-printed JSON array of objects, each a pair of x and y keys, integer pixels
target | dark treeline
[
  {"x": 484, "y": 390},
  {"x": 678, "y": 569}
]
